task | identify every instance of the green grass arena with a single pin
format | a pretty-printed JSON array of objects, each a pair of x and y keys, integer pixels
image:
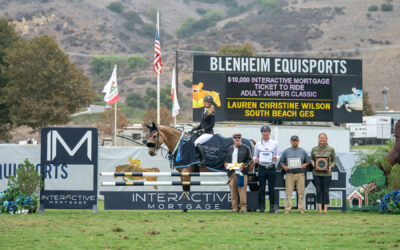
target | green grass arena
[{"x": 198, "y": 229}]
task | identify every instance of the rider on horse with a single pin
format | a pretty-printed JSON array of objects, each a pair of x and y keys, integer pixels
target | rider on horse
[{"x": 206, "y": 127}]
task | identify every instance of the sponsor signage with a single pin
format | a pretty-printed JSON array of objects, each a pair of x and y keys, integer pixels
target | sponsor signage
[
  {"x": 279, "y": 89},
  {"x": 173, "y": 200},
  {"x": 69, "y": 158}
]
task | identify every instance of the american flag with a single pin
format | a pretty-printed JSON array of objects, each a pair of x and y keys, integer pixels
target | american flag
[{"x": 157, "y": 54}]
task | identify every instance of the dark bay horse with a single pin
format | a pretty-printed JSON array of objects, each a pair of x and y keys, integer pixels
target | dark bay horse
[{"x": 161, "y": 134}]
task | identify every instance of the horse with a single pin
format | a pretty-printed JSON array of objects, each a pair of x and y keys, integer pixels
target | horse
[
  {"x": 351, "y": 101},
  {"x": 393, "y": 157},
  {"x": 169, "y": 136}
]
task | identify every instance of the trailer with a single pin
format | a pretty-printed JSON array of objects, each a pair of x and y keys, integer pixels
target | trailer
[{"x": 372, "y": 131}]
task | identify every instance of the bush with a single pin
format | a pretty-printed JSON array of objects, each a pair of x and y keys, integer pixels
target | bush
[
  {"x": 190, "y": 26},
  {"x": 129, "y": 26},
  {"x": 267, "y": 5},
  {"x": 391, "y": 202},
  {"x": 21, "y": 195},
  {"x": 230, "y": 24},
  {"x": 116, "y": 7},
  {"x": 386, "y": 7},
  {"x": 339, "y": 10},
  {"x": 201, "y": 11},
  {"x": 373, "y": 8},
  {"x": 373, "y": 197},
  {"x": 199, "y": 48},
  {"x": 147, "y": 30},
  {"x": 187, "y": 83},
  {"x": 102, "y": 66},
  {"x": 186, "y": 28},
  {"x": 132, "y": 16},
  {"x": 152, "y": 14},
  {"x": 136, "y": 61},
  {"x": 97, "y": 98},
  {"x": 135, "y": 101}
]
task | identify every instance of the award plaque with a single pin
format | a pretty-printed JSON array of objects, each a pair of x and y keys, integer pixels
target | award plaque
[
  {"x": 322, "y": 164},
  {"x": 294, "y": 163}
]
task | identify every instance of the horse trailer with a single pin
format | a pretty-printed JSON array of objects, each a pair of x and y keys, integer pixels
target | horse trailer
[{"x": 372, "y": 131}]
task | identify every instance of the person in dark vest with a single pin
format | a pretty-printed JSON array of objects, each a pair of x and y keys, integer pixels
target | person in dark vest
[
  {"x": 237, "y": 179},
  {"x": 205, "y": 128},
  {"x": 266, "y": 155}
]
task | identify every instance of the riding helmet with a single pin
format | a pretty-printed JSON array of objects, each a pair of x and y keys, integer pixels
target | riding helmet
[
  {"x": 208, "y": 98},
  {"x": 265, "y": 127}
]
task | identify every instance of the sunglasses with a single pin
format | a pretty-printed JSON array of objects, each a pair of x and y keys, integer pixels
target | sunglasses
[{"x": 237, "y": 137}]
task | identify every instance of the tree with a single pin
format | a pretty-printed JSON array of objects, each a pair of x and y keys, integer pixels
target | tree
[
  {"x": 135, "y": 101},
  {"x": 28, "y": 181},
  {"x": 151, "y": 116},
  {"x": 245, "y": 49},
  {"x": 102, "y": 66},
  {"x": 116, "y": 7},
  {"x": 165, "y": 97},
  {"x": 8, "y": 37},
  {"x": 108, "y": 116},
  {"x": 368, "y": 110},
  {"x": 367, "y": 177},
  {"x": 44, "y": 88}
]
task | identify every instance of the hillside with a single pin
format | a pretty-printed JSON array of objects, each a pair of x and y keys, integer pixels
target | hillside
[{"x": 299, "y": 28}]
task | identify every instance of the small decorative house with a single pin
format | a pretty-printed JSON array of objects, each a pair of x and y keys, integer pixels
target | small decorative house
[{"x": 355, "y": 198}]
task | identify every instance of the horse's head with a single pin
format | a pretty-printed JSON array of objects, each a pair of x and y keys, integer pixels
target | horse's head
[{"x": 155, "y": 140}]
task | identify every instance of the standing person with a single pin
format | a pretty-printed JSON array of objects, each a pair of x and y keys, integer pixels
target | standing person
[
  {"x": 205, "y": 128},
  {"x": 322, "y": 156},
  {"x": 294, "y": 160},
  {"x": 239, "y": 153},
  {"x": 266, "y": 155}
]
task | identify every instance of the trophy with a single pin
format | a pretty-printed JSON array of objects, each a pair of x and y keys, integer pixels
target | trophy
[{"x": 322, "y": 164}]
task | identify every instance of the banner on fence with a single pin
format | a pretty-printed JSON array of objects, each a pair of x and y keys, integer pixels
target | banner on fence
[
  {"x": 72, "y": 155},
  {"x": 173, "y": 200}
]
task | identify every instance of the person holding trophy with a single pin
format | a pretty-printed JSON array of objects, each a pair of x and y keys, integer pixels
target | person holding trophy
[
  {"x": 323, "y": 159},
  {"x": 294, "y": 160},
  {"x": 238, "y": 158}
]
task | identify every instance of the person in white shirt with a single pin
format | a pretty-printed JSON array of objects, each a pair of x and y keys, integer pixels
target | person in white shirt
[{"x": 266, "y": 155}]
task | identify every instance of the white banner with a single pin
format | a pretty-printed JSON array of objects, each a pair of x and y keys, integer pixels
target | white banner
[{"x": 111, "y": 159}]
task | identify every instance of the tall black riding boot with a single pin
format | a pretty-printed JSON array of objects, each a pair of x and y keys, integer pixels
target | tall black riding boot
[{"x": 202, "y": 155}]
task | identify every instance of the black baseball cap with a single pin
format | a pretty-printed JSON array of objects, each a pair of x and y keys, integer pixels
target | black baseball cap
[{"x": 294, "y": 138}]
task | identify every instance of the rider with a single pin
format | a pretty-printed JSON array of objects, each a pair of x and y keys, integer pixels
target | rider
[{"x": 206, "y": 127}]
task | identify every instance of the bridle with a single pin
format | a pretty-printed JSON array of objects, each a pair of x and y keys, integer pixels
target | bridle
[{"x": 164, "y": 152}]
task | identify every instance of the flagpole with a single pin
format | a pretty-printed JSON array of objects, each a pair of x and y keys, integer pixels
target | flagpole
[
  {"x": 173, "y": 100},
  {"x": 158, "y": 77},
  {"x": 115, "y": 119},
  {"x": 115, "y": 124}
]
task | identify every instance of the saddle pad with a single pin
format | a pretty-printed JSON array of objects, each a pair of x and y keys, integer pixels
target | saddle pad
[{"x": 215, "y": 151}]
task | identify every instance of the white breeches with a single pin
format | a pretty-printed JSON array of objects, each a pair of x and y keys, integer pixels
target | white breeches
[{"x": 203, "y": 139}]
